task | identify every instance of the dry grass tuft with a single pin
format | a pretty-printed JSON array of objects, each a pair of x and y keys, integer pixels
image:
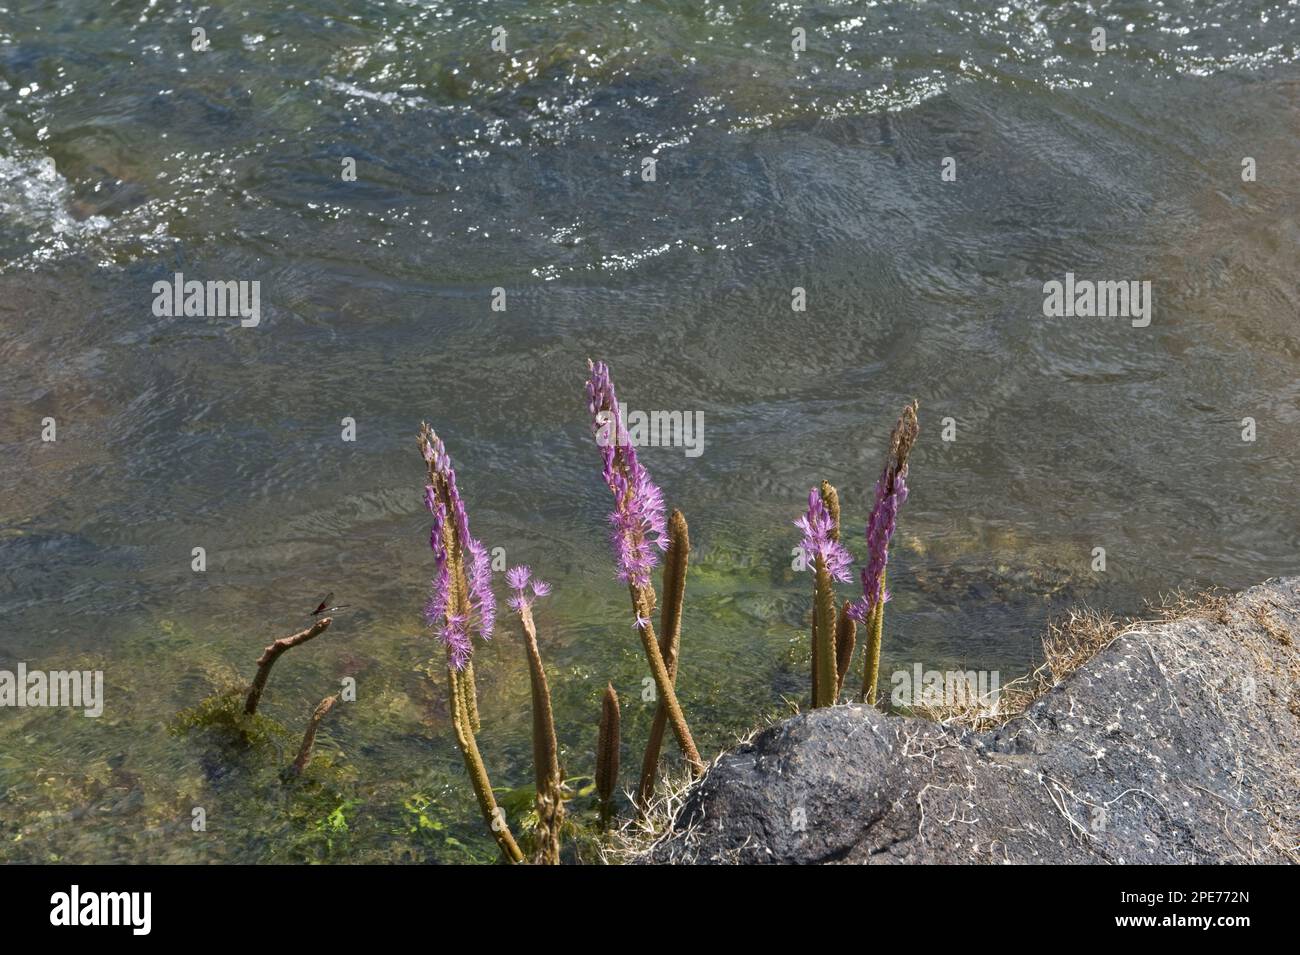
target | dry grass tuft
[
  {"x": 639, "y": 835},
  {"x": 641, "y": 832},
  {"x": 1070, "y": 642}
]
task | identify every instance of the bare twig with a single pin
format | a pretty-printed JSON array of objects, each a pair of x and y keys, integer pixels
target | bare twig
[
  {"x": 272, "y": 653},
  {"x": 309, "y": 737}
]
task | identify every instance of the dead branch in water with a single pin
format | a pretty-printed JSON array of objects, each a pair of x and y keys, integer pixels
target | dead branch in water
[
  {"x": 309, "y": 737},
  {"x": 272, "y": 653}
]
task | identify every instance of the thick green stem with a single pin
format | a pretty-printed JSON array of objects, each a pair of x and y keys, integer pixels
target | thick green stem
[
  {"x": 846, "y": 636},
  {"x": 670, "y": 620},
  {"x": 822, "y": 695},
  {"x": 812, "y": 654},
  {"x": 478, "y": 777},
  {"x": 546, "y": 756},
  {"x": 824, "y": 641},
  {"x": 607, "y": 754},
  {"x": 642, "y": 606},
  {"x": 871, "y": 670},
  {"x": 469, "y": 690}
]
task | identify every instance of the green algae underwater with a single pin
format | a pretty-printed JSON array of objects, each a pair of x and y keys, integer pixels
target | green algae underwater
[{"x": 126, "y": 786}]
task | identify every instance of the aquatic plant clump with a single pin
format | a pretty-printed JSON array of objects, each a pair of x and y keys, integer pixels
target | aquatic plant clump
[{"x": 462, "y": 605}]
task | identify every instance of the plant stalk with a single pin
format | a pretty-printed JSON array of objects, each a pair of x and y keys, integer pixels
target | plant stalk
[
  {"x": 821, "y": 696},
  {"x": 478, "y": 777},
  {"x": 871, "y": 668},
  {"x": 642, "y": 606},
  {"x": 846, "y": 637},
  {"x": 546, "y": 754},
  {"x": 824, "y": 645},
  {"x": 607, "y": 744},
  {"x": 670, "y": 621}
]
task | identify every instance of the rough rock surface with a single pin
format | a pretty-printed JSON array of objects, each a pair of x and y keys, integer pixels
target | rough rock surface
[{"x": 1178, "y": 743}]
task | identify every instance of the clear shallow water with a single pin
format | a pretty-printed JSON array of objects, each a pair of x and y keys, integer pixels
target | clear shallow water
[{"x": 476, "y": 171}]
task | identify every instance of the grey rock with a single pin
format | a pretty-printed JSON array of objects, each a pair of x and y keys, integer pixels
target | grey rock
[{"x": 1178, "y": 743}]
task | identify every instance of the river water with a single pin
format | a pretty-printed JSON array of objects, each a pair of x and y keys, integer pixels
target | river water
[{"x": 127, "y": 156}]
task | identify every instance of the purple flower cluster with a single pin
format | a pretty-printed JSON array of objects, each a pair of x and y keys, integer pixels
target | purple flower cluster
[
  {"x": 453, "y": 623},
  {"x": 817, "y": 526},
  {"x": 638, "y": 516},
  {"x": 519, "y": 579},
  {"x": 891, "y": 492}
]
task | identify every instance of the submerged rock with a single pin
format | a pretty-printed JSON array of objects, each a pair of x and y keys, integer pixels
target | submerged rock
[{"x": 1177, "y": 743}]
